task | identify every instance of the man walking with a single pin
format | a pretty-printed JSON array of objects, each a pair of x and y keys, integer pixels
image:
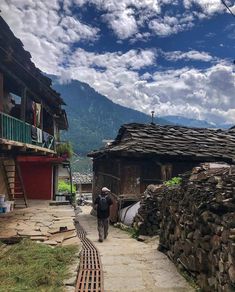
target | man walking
[{"x": 102, "y": 205}]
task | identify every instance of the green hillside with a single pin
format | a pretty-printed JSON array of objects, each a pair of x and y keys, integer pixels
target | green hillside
[{"x": 93, "y": 117}]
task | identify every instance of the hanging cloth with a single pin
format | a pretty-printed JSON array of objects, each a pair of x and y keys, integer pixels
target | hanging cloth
[{"x": 38, "y": 115}]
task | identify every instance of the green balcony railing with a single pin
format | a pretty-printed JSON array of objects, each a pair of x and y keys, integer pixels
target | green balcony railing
[{"x": 16, "y": 130}]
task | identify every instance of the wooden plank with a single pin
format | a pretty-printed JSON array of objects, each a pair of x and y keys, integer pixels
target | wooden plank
[
  {"x": 29, "y": 146},
  {"x": 18, "y": 172},
  {"x": 109, "y": 175}
]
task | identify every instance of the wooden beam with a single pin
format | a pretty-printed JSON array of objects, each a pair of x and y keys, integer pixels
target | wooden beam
[
  {"x": 1, "y": 92},
  {"x": 23, "y": 104},
  {"x": 23, "y": 149},
  {"x": 41, "y": 113},
  {"x": 7, "y": 147},
  {"x": 28, "y": 146},
  {"x": 109, "y": 175}
]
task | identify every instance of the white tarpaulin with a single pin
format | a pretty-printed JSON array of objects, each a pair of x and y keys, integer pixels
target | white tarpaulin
[{"x": 127, "y": 214}]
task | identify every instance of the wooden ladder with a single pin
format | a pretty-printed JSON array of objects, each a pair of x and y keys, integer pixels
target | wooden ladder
[{"x": 14, "y": 182}]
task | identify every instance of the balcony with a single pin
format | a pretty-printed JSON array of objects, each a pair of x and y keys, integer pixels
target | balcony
[{"x": 19, "y": 133}]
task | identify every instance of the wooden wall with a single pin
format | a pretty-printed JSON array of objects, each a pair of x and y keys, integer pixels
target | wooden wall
[
  {"x": 106, "y": 173},
  {"x": 3, "y": 187},
  {"x": 130, "y": 177}
]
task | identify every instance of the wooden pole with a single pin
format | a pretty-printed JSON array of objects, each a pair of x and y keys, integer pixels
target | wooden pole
[
  {"x": 23, "y": 104},
  {"x": 41, "y": 118},
  {"x": 70, "y": 178},
  {"x": 1, "y": 92}
]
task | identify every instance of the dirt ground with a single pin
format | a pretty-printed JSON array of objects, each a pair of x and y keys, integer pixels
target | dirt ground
[{"x": 130, "y": 265}]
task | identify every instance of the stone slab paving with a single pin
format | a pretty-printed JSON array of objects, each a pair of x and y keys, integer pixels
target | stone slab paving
[
  {"x": 130, "y": 265},
  {"x": 52, "y": 225}
]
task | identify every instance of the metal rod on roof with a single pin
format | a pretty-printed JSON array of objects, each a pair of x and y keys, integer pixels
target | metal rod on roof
[{"x": 152, "y": 122}]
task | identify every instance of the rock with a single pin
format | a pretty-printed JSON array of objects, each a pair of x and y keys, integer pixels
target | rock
[
  {"x": 51, "y": 242},
  {"x": 71, "y": 281},
  {"x": 215, "y": 241},
  {"x": 69, "y": 234},
  {"x": 39, "y": 238},
  {"x": 58, "y": 237},
  {"x": 143, "y": 238},
  {"x": 231, "y": 272},
  {"x": 29, "y": 232},
  {"x": 69, "y": 288},
  {"x": 72, "y": 241}
]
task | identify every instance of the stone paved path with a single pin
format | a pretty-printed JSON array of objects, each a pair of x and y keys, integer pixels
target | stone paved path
[
  {"x": 130, "y": 265},
  {"x": 40, "y": 222}
]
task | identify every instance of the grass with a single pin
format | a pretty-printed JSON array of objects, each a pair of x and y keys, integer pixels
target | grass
[
  {"x": 30, "y": 266},
  {"x": 133, "y": 232},
  {"x": 190, "y": 280},
  {"x": 174, "y": 181}
]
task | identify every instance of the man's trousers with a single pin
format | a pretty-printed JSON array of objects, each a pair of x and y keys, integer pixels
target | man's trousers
[{"x": 103, "y": 227}]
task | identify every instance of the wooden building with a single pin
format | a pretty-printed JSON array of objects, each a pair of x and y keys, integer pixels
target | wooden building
[
  {"x": 144, "y": 154},
  {"x": 31, "y": 117},
  {"x": 82, "y": 182}
]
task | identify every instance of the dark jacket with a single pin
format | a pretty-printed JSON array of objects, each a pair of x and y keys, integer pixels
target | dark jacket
[{"x": 100, "y": 213}]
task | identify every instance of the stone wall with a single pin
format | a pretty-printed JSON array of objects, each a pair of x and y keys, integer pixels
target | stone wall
[
  {"x": 197, "y": 225},
  {"x": 147, "y": 221}
]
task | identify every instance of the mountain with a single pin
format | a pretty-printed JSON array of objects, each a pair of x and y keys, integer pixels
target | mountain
[
  {"x": 93, "y": 117},
  {"x": 182, "y": 121}
]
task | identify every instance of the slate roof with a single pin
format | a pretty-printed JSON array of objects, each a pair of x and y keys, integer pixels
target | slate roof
[
  {"x": 82, "y": 178},
  {"x": 172, "y": 141}
]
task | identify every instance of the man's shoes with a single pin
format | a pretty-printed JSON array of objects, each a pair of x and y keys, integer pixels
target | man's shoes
[{"x": 100, "y": 240}]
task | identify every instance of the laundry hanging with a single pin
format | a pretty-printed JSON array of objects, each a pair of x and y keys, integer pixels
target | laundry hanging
[{"x": 37, "y": 114}]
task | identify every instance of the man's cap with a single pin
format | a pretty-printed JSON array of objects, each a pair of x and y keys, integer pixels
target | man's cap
[{"x": 104, "y": 189}]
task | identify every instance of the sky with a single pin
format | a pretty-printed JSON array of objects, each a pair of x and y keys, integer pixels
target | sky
[{"x": 171, "y": 56}]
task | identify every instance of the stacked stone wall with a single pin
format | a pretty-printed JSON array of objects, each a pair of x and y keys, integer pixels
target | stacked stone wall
[{"x": 197, "y": 225}]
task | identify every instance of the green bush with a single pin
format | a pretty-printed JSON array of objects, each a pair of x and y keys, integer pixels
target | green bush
[
  {"x": 65, "y": 149},
  {"x": 174, "y": 181},
  {"x": 64, "y": 186}
]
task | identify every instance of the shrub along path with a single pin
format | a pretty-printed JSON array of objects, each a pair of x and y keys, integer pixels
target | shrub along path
[{"x": 130, "y": 265}]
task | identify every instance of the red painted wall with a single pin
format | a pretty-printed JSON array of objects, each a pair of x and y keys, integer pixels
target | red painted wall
[{"x": 37, "y": 177}]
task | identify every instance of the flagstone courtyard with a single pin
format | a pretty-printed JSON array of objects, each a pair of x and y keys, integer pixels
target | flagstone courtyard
[{"x": 52, "y": 225}]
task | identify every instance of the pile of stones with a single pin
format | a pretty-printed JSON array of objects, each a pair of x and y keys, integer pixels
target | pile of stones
[
  {"x": 197, "y": 228},
  {"x": 147, "y": 220},
  {"x": 197, "y": 224}
]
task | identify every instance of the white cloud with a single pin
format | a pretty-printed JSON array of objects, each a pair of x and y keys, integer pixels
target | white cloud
[
  {"x": 127, "y": 17},
  {"x": 49, "y": 34},
  {"x": 167, "y": 25},
  {"x": 46, "y": 32},
  {"x": 208, "y": 7},
  {"x": 190, "y": 55},
  {"x": 123, "y": 23},
  {"x": 202, "y": 94},
  {"x": 131, "y": 60}
]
